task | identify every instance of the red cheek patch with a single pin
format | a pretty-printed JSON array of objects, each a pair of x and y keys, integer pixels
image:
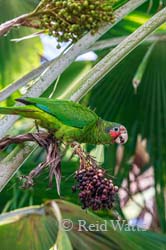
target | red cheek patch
[{"x": 114, "y": 134}]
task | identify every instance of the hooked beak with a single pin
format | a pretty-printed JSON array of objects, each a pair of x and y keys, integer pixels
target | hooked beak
[{"x": 122, "y": 138}]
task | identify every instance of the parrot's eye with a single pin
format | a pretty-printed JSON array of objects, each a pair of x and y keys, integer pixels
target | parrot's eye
[{"x": 116, "y": 129}]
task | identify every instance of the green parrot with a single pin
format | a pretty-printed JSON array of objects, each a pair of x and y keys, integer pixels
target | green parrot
[{"x": 69, "y": 121}]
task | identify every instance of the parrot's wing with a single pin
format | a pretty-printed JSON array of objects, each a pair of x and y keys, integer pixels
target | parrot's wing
[{"x": 68, "y": 112}]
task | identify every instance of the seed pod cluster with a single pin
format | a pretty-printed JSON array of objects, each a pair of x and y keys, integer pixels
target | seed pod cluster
[
  {"x": 96, "y": 191},
  {"x": 70, "y": 19}
]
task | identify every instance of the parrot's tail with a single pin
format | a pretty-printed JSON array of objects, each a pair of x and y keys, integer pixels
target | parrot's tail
[
  {"x": 24, "y": 111},
  {"x": 24, "y": 101}
]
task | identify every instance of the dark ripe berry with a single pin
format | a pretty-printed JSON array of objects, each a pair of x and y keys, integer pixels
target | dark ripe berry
[
  {"x": 94, "y": 181},
  {"x": 90, "y": 186},
  {"x": 105, "y": 191},
  {"x": 103, "y": 197},
  {"x": 100, "y": 175},
  {"x": 88, "y": 192},
  {"x": 96, "y": 191},
  {"x": 116, "y": 188},
  {"x": 98, "y": 184}
]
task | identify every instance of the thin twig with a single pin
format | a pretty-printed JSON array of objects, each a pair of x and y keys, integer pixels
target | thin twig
[{"x": 6, "y": 27}]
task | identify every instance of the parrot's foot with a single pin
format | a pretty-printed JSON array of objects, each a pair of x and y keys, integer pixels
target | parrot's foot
[
  {"x": 75, "y": 145},
  {"x": 37, "y": 126}
]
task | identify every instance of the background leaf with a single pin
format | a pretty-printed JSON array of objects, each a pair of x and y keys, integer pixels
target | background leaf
[{"x": 17, "y": 59}]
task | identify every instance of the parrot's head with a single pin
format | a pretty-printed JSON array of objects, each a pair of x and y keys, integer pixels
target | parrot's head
[{"x": 118, "y": 133}]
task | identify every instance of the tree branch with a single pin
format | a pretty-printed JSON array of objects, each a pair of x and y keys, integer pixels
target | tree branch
[
  {"x": 6, "y": 27},
  {"x": 109, "y": 43}
]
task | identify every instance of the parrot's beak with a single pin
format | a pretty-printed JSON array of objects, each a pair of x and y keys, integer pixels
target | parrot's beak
[{"x": 123, "y": 136}]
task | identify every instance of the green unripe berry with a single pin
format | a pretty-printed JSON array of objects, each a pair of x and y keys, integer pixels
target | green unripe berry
[
  {"x": 83, "y": 17},
  {"x": 90, "y": 20},
  {"x": 58, "y": 46},
  {"x": 70, "y": 19},
  {"x": 91, "y": 7},
  {"x": 62, "y": 12},
  {"x": 75, "y": 12},
  {"x": 85, "y": 3},
  {"x": 93, "y": 13}
]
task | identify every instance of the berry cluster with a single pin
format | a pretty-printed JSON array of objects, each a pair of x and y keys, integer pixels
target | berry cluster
[
  {"x": 69, "y": 19},
  {"x": 96, "y": 191}
]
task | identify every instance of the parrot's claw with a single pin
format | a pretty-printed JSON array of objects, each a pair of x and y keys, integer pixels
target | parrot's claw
[
  {"x": 75, "y": 145},
  {"x": 37, "y": 126}
]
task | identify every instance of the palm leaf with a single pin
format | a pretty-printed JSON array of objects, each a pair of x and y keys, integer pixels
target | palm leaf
[
  {"x": 142, "y": 113},
  {"x": 42, "y": 222}
]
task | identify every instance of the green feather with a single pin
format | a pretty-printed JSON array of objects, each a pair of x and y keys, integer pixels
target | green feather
[
  {"x": 18, "y": 111},
  {"x": 68, "y": 120},
  {"x": 69, "y": 113}
]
